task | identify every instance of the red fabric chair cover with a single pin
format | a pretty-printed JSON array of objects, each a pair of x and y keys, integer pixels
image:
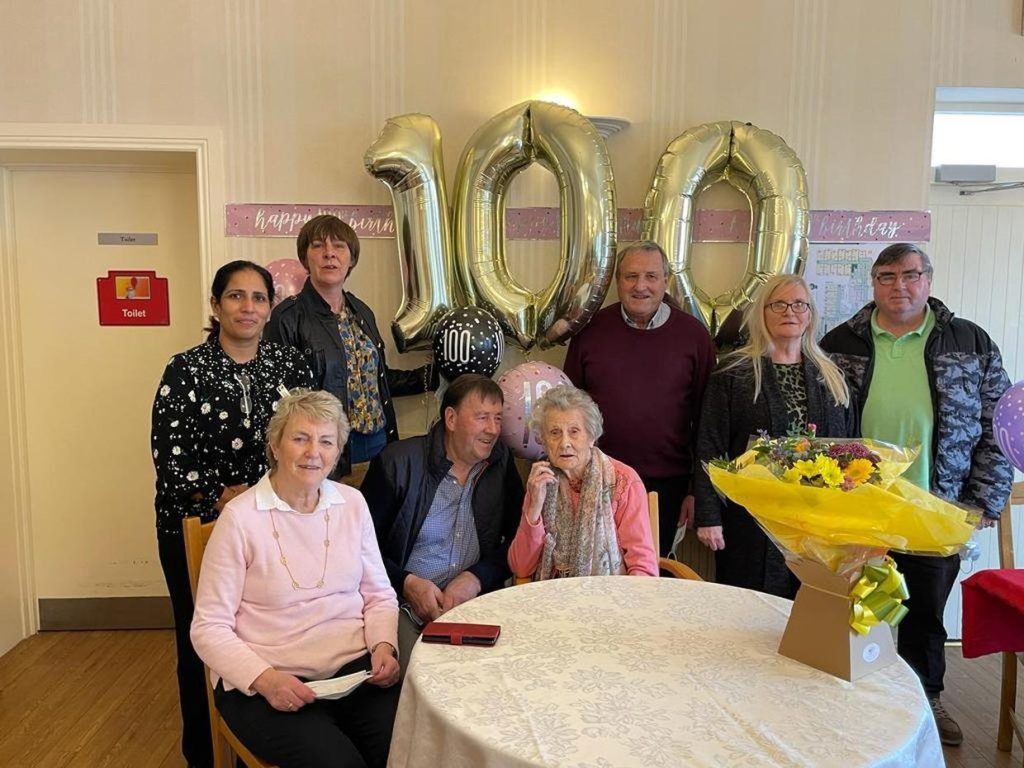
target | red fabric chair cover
[{"x": 993, "y": 604}]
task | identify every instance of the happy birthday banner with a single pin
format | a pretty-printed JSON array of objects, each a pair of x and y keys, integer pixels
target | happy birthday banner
[{"x": 712, "y": 226}]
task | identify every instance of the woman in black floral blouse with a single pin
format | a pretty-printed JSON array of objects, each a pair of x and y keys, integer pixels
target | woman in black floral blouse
[
  {"x": 210, "y": 418},
  {"x": 779, "y": 381}
]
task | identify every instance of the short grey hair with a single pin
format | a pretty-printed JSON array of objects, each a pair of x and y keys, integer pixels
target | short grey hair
[
  {"x": 317, "y": 406},
  {"x": 896, "y": 252},
  {"x": 643, "y": 245},
  {"x": 566, "y": 397}
]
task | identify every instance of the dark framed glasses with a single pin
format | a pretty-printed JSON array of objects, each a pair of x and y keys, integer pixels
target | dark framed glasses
[
  {"x": 889, "y": 278},
  {"x": 780, "y": 307}
]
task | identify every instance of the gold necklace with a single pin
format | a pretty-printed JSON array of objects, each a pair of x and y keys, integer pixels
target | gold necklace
[{"x": 284, "y": 560}]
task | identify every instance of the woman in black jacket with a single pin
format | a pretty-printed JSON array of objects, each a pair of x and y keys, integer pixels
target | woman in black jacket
[
  {"x": 337, "y": 334},
  {"x": 778, "y": 382}
]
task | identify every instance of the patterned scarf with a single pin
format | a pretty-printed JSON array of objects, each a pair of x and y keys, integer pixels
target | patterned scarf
[{"x": 581, "y": 542}]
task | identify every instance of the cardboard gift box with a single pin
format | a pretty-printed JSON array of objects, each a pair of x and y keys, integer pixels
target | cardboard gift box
[{"x": 819, "y": 634}]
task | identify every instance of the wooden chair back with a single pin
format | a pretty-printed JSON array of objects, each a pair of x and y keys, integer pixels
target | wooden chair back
[
  {"x": 1005, "y": 526},
  {"x": 673, "y": 568},
  {"x": 1010, "y": 722},
  {"x": 226, "y": 746}
]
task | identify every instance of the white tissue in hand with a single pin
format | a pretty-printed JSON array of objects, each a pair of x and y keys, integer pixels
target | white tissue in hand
[{"x": 338, "y": 687}]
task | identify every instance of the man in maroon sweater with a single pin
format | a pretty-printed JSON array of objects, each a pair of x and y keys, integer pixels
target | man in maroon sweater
[{"x": 646, "y": 364}]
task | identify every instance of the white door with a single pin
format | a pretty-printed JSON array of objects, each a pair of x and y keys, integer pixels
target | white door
[{"x": 88, "y": 389}]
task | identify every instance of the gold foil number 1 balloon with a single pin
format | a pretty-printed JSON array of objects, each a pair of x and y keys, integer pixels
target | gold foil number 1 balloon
[{"x": 407, "y": 157}]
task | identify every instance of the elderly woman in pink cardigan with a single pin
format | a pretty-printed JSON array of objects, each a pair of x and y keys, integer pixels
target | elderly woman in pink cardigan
[
  {"x": 585, "y": 513},
  {"x": 293, "y": 590}
]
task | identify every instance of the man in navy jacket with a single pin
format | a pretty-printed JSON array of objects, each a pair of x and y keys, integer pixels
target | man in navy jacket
[{"x": 445, "y": 506}]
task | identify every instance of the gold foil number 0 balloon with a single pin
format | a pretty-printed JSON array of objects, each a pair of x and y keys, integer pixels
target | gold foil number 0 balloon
[
  {"x": 407, "y": 157},
  {"x": 763, "y": 168},
  {"x": 569, "y": 146}
]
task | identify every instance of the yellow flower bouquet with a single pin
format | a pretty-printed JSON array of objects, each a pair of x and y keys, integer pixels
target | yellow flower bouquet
[
  {"x": 834, "y": 508},
  {"x": 840, "y": 503}
]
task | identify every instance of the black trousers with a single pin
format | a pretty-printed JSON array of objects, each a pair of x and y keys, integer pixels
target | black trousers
[
  {"x": 671, "y": 492},
  {"x": 921, "y": 637},
  {"x": 196, "y": 744},
  {"x": 351, "y": 732}
]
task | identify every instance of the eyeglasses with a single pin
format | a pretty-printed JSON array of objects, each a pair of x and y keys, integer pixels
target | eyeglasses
[
  {"x": 244, "y": 382},
  {"x": 889, "y": 278},
  {"x": 780, "y": 307}
]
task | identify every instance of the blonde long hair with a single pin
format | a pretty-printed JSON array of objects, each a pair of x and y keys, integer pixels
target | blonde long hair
[{"x": 760, "y": 343}]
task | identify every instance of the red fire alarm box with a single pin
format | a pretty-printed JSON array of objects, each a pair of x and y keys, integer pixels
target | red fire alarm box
[{"x": 132, "y": 297}]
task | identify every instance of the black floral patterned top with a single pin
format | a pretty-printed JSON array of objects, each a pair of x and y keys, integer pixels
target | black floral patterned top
[
  {"x": 210, "y": 419},
  {"x": 794, "y": 393}
]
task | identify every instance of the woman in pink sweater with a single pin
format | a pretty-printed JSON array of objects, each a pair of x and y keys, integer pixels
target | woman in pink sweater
[
  {"x": 293, "y": 589},
  {"x": 585, "y": 513}
]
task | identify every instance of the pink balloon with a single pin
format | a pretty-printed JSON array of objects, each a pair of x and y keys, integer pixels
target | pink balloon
[
  {"x": 522, "y": 387},
  {"x": 289, "y": 276}
]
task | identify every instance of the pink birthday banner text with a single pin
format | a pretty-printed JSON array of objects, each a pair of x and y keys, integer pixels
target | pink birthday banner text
[{"x": 712, "y": 226}]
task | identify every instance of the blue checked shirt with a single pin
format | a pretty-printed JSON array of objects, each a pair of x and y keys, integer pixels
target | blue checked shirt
[{"x": 447, "y": 544}]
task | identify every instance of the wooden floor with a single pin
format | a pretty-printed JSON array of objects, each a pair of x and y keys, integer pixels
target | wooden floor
[
  {"x": 972, "y": 698},
  {"x": 95, "y": 699},
  {"x": 90, "y": 699}
]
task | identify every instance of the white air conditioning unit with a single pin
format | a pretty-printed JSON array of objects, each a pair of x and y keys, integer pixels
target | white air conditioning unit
[{"x": 961, "y": 173}]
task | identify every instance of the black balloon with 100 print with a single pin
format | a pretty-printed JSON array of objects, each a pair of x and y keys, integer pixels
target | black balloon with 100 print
[{"x": 468, "y": 340}]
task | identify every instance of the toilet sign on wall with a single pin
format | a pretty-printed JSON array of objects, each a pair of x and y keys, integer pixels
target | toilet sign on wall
[{"x": 132, "y": 297}]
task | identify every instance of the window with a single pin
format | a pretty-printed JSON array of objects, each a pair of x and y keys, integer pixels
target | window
[
  {"x": 978, "y": 126},
  {"x": 961, "y": 138}
]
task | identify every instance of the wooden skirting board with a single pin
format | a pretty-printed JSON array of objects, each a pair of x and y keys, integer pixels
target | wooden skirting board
[{"x": 65, "y": 613}]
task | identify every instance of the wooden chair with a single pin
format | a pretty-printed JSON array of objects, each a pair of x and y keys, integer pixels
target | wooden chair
[
  {"x": 225, "y": 744},
  {"x": 673, "y": 568},
  {"x": 1009, "y": 721}
]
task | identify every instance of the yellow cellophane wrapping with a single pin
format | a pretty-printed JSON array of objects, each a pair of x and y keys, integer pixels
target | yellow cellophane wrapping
[{"x": 841, "y": 528}]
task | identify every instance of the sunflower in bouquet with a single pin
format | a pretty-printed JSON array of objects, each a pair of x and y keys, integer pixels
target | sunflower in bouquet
[{"x": 842, "y": 504}]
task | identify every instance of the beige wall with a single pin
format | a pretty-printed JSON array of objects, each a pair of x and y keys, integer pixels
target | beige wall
[{"x": 301, "y": 88}]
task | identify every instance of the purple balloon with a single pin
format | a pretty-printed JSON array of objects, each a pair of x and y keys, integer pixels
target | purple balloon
[
  {"x": 522, "y": 387},
  {"x": 1008, "y": 424},
  {"x": 289, "y": 277}
]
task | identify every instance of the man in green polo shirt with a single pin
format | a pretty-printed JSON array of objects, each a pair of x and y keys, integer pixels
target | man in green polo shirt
[
  {"x": 923, "y": 377},
  {"x": 899, "y": 404}
]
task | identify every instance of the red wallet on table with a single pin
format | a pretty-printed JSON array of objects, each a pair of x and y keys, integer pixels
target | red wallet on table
[{"x": 453, "y": 633}]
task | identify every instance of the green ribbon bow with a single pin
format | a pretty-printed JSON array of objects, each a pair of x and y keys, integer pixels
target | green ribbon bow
[{"x": 878, "y": 596}]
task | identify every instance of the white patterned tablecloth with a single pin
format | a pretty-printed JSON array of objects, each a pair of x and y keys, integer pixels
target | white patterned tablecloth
[{"x": 629, "y": 671}]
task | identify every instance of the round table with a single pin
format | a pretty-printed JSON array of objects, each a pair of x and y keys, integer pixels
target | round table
[{"x": 631, "y": 671}]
